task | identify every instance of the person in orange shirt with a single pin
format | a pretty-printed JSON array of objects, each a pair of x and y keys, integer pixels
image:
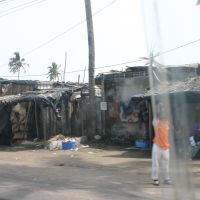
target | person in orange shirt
[{"x": 160, "y": 150}]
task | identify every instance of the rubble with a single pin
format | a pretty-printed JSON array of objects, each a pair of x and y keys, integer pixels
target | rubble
[
  {"x": 55, "y": 145},
  {"x": 56, "y": 138},
  {"x": 60, "y": 142}
]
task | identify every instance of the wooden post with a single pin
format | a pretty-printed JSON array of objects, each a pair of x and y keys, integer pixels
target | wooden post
[
  {"x": 84, "y": 75},
  {"x": 63, "y": 117},
  {"x": 78, "y": 80},
  {"x": 27, "y": 117},
  {"x": 44, "y": 123},
  {"x": 54, "y": 124},
  {"x": 103, "y": 112},
  {"x": 69, "y": 111},
  {"x": 91, "y": 47},
  {"x": 36, "y": 120},
  {"x": 82, "y": 120},
  {"x": 49, "y": 122}
]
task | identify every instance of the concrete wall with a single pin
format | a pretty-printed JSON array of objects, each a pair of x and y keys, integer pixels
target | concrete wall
[{"x": 123, "y": 89}]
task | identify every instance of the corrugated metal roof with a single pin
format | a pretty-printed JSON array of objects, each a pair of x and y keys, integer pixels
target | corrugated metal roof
[
  {"x": 33, "y": 95},
  {"x": 19, "y": 82}
]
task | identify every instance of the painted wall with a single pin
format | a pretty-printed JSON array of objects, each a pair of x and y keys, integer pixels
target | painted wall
[{"x": 122, "y": 120}]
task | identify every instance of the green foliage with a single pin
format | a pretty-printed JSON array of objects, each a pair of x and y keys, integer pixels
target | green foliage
[
  {"x": 17, "y": 63},
  {"x": 53, "y": 73}
]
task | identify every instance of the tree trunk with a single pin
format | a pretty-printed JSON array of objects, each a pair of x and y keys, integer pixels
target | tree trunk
[{"x": 18, "y": 74}]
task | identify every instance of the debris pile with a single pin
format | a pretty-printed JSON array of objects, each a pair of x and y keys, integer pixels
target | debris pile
[
  {"x": 60, "y": 142},
  {"x": 57, "y": 138}
]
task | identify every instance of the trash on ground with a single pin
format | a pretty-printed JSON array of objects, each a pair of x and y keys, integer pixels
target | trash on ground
[
  {"x": 69, "y": 145},
  {"x": 60, "y": 142},
  {"x": 85, "y": 146},
  {"x": 55, "y": 145},
  {"x": 57, "y": 137},
  {"x": 76, "y": 149}
]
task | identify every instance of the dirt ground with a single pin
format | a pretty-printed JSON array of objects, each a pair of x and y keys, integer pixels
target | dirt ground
[{"x": 86, "y": 174}]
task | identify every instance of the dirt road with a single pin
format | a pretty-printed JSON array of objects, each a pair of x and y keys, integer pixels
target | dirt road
[{"x": 86, "y": 174}]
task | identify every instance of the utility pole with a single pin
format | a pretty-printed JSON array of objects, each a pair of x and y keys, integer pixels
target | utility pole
[
  {"x": 91, "y": 47},
  {"x": 84, "y": 75},
  {"x": 78, "y": 80},
  {"x": 65, "y": 67},
  {"x": 103, "y": 114}
]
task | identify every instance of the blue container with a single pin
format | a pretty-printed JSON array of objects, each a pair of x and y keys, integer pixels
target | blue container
[
  {"x": 142, "y": 144},
  {"x": 68, "y": 145}
]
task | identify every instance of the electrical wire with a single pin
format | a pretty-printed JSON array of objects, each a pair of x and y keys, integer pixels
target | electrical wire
[
  {"x": 27, "y": 6},
  {"x": 74, "y": 26},
  {"x": 19, "y": 6},
  {"x": 178, "y": 47},
  {"x": 75, "y": 71},
  {"x": 129, "y": 62},
  {"x": 2, "y": 2},
  {"x": 63, "y": 33},
  {"x": 79, "y": 23},
  {"x": 66, "y": 31}
]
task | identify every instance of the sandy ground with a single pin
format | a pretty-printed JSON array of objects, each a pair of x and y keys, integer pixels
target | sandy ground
[{"x": 86, "y": 174}]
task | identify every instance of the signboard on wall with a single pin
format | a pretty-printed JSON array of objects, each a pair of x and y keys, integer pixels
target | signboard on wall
[{"x": 103, "y": 105}]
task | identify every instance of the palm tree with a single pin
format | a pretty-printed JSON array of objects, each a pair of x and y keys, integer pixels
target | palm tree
[
  {"x": 17, "y": 63},
  {"x": 53, "y": 73}
]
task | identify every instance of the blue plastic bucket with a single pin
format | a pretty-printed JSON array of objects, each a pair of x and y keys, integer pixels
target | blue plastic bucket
[{"x": 68, "y": 145}]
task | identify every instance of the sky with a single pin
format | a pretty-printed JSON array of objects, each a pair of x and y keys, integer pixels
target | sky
[
  {"x": 124, "y": 31},
  {"x": 118, "y": 32},
  {"x": 170, "y": 24}
]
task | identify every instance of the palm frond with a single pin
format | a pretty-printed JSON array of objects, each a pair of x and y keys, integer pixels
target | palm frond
[{"x": 17, "y": 63}]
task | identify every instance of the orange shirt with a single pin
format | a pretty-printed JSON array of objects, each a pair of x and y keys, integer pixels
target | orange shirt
[{"x": 161, "y": 134}]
